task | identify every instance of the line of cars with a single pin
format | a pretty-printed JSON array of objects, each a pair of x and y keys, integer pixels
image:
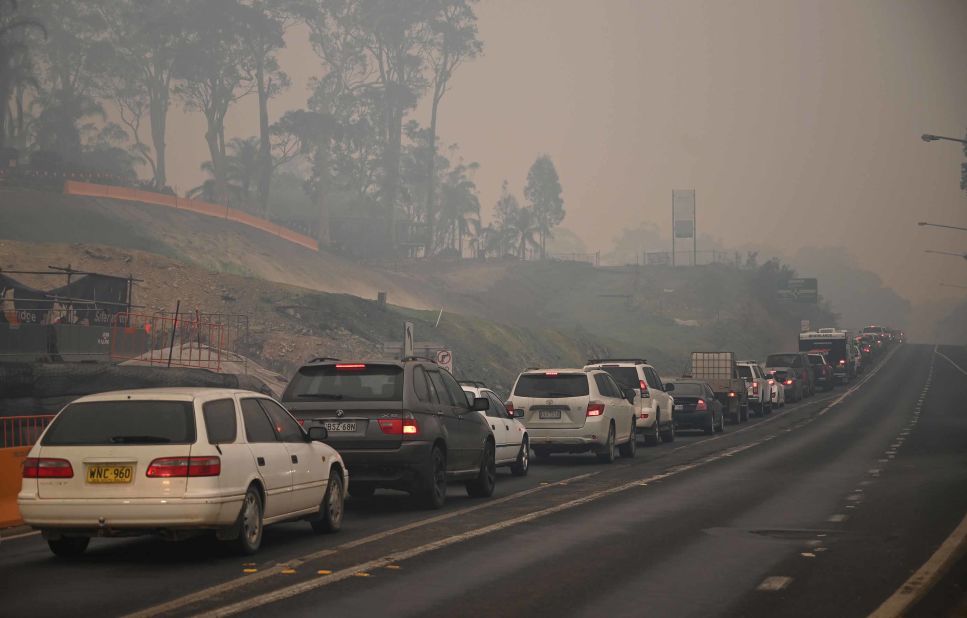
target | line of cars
[{"x": 181, "y": 461}]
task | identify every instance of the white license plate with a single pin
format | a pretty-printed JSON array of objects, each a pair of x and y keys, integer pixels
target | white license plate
[
  {"x": 550, "y": 414},
  {"x": 336, "y": 426},
  {"x": 679, "y": 406}
]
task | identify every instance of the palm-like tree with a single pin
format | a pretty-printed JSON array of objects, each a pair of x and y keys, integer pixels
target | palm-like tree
[
  {"x": 524, "y": 229},
  {"x": 12, "y": 51},
  {"x": 241, "y": 173}
]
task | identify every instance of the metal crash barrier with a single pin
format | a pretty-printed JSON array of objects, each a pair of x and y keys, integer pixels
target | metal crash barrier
[{"x": 17, "y": 435}]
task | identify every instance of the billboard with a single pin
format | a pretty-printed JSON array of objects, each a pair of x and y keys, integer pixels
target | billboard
[
  {"x": 801, "y": 290},
  {"x": 683, "y": 213}
]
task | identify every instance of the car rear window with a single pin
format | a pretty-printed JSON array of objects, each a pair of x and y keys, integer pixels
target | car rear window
[
  {"x": 744, "y": 371},
  {"x": 626, "y": 377},
  {"x": 782, "y": 360},
  {"x": 552, "y": 386},
  {"x": 815, "y": 360},
  {"x": 349, "y": 382},
  {"x": 133, "y": 421},
  {"x": 688, "y": 389}
]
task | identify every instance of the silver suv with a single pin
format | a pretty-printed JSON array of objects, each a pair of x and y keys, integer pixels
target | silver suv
[
  {"x": 575, "y": 411},
  {"x": 655, "y": 407}
]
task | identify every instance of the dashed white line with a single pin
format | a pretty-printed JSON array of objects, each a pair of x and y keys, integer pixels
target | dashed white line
[{"x": 774, "y": 583}]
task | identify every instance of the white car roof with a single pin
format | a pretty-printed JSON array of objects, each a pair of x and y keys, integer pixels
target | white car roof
[
  {"x": 170, "y": 394},
  {"x": 554, "y": 370}
]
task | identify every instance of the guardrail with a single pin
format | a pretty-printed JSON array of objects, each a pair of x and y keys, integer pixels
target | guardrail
[
  {"x": 17, "y": 435},
  {"x": 207, "y": 209},
  {"x": 18, "y": 431}
]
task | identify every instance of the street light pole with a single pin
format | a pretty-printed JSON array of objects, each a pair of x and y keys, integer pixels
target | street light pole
[
  {"x": 927, "y": 137},
  {"x": 950, "y": 227},
  {"x": 960, "y": 255},
  {"x": 953, "y": 285}
]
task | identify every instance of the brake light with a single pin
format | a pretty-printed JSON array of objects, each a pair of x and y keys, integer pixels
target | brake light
[
  {"x": 644, "y": 389},
  {"x": 842, "y": 362},
  {"x": 398, "y": 426},
  {"x": 595, "y": 409},
  {"x": 700, "y": 406},
  {"x": 755, "y": 388},
  {"x": 350, "y": 366},
  {"x": 47, "y": 468},
  {"x": 170, "y": 467},
  {"x": 550, "y": 373},
  {"x": 731, "y": 393},
  {"x": 771, "y": 381},
  {"x": 788, "y": 382}
]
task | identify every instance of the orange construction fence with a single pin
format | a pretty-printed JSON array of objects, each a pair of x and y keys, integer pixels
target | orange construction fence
[
  {"x": 17, "y": 435},
  {"x": 89, "y": 189}
]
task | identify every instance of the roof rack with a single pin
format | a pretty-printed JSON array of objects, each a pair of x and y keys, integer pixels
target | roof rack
[
  {"x": 598, "y": 361},
  {"x": 418, "y": 358},
  {"x": 474, "y": 383},
  {"x": 322, "y": 359}
]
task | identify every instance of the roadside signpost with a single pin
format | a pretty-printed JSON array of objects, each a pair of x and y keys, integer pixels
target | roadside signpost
[{"x": 801, "y": 290}]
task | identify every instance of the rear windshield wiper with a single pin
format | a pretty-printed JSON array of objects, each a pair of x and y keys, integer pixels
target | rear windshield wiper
[
  {"x": 321, "y": 395},
  {"x": 140, "y": 440}
]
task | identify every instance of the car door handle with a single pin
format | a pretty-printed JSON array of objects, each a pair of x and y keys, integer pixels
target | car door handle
[
  {"x": 260, "y": 460},
  {"x": 506, "y": 427},
  {"x": 295, "y": 459}
]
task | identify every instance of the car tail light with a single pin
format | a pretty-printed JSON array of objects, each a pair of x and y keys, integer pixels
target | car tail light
[
  {"x": 47, "y": 468},
  {"x": 789, "y": 382},
  {"x": 550, "y": 373},
  {"x": 842, "y": 362},
  {"x": 595, "y": 409},
  {"x": 644, "y": 389},
  {"x": 405, "y": 426},
  {"x": 509, "y": 405},
  {"x": 700, "y": 406},
  {"x": 755, "y": 388},
  {"x": 731, "y": 393},
  {"x": 350, "y": 366},
  {"x": 771, "y": 381},
  {"x": 170, "y": 467}
]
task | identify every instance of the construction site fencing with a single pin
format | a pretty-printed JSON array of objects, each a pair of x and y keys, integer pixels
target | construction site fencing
[
  {"x": 18, "y": 431},
  {"x": 207, "y": 209}
]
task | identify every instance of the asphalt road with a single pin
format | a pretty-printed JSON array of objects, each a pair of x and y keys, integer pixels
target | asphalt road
[{"x": 822, "y": 508}]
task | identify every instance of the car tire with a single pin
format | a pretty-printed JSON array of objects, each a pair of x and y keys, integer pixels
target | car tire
[
  {"x": 522, "y": 465},
  {"x": 669, "y": 434},
  {"x": 630, "y": 448},
  {"x": 542, "y": 453},
  {"x": 606, "y": 454},
  {"x": 743, "y": 413},
  {"x": 248, "y": 527},
  {"x": 69, "y": 547},
  {"x": 710, "y": 429},
  {"x": 331, "y": 508},
  {"x": 721, "y": 423},
  {"x": 483, "y": 485},
  {"x": 767, "y": 410},
  {"x": 361, "y": 491},
  {"x": 654, "y": 440},
  {"x": 433, "y": 494}
]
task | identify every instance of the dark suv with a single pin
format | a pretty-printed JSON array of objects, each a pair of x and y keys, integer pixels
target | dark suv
[{"x": 404, "y": 425}]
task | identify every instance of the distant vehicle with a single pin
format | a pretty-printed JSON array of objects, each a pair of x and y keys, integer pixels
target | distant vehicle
[
  {"x": 655, "y": 414},
  {"x": 576, "y": 411},
  {"x": 823, "y": 370},
  {"x": 758, "y": 388},
  {"x": 719, "y": 371},
  {"x": 176, "y": 461},
  {"x": 510, "y": 435},
  {"x": 403, "y": 425},
  {"x": 794, "y": 371},
  {"x": 835, "y": 346},
  {"x": 696, "y": 407},
  {"x": 778, "y": 394}
]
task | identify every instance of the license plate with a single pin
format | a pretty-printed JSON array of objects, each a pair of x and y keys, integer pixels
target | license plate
[
  {"x": 110, "y": 473},
  {"x": 336, "y": 426},
  {"x": 679, "y": 406},
  {"x": 549, "y": 414}
]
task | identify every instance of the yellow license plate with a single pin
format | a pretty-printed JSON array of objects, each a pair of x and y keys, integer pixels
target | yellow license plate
[{"x": 110, "y": 473}]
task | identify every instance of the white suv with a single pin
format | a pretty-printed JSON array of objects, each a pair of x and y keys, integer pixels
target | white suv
[
  {"x": 575, "y": 411},
  {"x": 757, "y": 383},
  {"x": 654, "y": 405}
]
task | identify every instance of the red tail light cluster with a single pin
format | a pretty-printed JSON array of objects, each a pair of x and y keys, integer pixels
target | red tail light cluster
[
  {"x": 595, "y": 409},
  {"x": 755, "y": 388},
  {"x": 644, "y": 389},
  {"x": 47, "y": 468},
  {"x": 399, "y": 426},
  {"x": 700, "y": 406},
  {"x": 789, "y": 382},
  {"x": 175, "y": 467}
]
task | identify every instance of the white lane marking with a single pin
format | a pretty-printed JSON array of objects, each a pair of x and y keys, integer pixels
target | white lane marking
[
  {"x": 217, "y": 589},
  {"x": 947, "y": 358},
  {"x": 774, "y": 583},
  {"x": 19, "y": 536},
  {"x": 926, "y": 576},
  {"x": 838, "y": 517}
]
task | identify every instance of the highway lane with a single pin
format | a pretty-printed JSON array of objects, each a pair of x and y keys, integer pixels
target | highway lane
[{"x": 686, "y": 528}]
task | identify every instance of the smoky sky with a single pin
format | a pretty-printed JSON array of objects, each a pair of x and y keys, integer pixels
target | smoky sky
[{"x": 798, "y": 123}]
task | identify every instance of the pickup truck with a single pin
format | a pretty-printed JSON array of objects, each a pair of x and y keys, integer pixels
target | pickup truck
[
  {"x": 758, "y": 387},
  {"x": 718, "y": 370}
]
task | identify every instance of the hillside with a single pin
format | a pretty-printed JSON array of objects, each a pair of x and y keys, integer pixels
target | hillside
[{"x": 499, "y": 315}]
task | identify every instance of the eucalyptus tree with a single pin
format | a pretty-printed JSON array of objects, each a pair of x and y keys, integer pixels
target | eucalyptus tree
[
  {"x": 15, "y": 69},
  {"x": 213, "y": 70},
  {"x": 543, "y": 191}
]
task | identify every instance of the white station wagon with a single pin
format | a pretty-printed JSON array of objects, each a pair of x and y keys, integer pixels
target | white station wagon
[{"x": 178, "y": 461}]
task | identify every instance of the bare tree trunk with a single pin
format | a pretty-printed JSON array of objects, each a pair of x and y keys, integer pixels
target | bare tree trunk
[
  {"x": 218, "y": 165},
  {"x": 265, "y": 146},
  {"x": 431, "y": 175},
  {"x": 321, "y": 165},
  {"x": 158, "y": 110}
]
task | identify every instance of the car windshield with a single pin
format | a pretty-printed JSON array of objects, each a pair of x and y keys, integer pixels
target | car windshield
[
  {"x": 547, "y": 386},
  {"x": 97, "y": 423},
  {"x": 626, "y": 377},
  {"x": 781, "y": 360},
  {"x": 347, "y": 382},
  {"x": 688, "y": 389}
]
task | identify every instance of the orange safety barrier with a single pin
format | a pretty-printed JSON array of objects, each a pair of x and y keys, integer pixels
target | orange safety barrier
[
  {"x": 18, "y": 434},
  {"x": 89, "y": 189}
]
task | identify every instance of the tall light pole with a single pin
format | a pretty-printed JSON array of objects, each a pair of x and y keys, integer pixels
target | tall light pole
[
  {"x": 953, "y": 285},
  {"x": 960, "y": 255},
  {"x": 927, "y": 137},
  {"x": 950, "y": 227}
]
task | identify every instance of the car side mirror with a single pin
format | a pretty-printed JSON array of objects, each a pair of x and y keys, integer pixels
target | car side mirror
[
  {"x": 318, "y": 433},
  {"x": 669, "y": 387},
  {"x": 480, "y": 404}
]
